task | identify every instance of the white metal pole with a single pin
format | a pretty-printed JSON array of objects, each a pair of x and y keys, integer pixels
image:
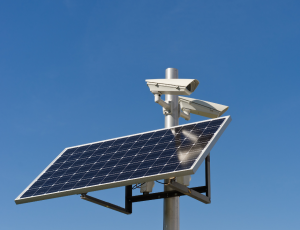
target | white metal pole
[{"x": 171, "y": 205}]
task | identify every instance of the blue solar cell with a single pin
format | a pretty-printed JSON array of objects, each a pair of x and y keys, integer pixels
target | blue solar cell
[
  {"x": 169, "y": 168},
  {"x": 152, "y": 156},
  {"x": 205, "y": 138},
  {"x": 99, "y": 152},
  {"x": 121, "y": 147},
  {"x": 105, "y": 157},
  {"x": 161, "y": 161},
  {"x": 168, "y": 152},
  {"x": 82, "y": 183},
  {"x": 110, "y": 178},
  {"x": 97, "y": 165},
  {"x": 153, "y": 170},
  {"x": 95, "y": 181},
  {"x": 140, "y": 157},
  {"x": 124, "y": 176},
  {"x": 66, "y": 165},
  {"x": 42, "y": 190},
  {"x": 68, "y": 185},
  {"x": 37, "y": 184},
  {"x": 145, "y": 136},
  {"x": 30, "y": 192},
  {"x": 70, "y": 171},
  {"x": 90, "y": 174},
  {"x": 63, "y": 179},
  {"x": 131, "y": 152},
  {"x": 91, "y": 160},
  {"x": 210, "y": 130},
  {"x": 166, "y": 139},
  {"x": 55, "y": 188},
  {"x": 50, "y": 181},
  {"x": 58, "y": 173},
  {"x": 147, "y": 148},
  {"x": 125, "y": 160},
  {"x": 132, "y": 166},
  {"x": 79, "y": 162},
  {"x": 174, "y": 160},
  {"x": 86, "y": 154},
  {"x": 85, "y": 167},
  {"x": 217, "y": 122},
  {"x": 112, "y": 162},
  {"x": 119, "y": 154},
  {"x": 117, "y": 169},
  {"x": 112, "y": 149},
  {"x": 139, "y": 144},
  {"x": 160, "y": 147},
  {"x": 139, "y": 173},
  {"x": 104, "y": 171}
]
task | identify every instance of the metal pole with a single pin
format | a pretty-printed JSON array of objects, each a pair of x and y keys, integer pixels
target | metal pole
[{"x": 171, "y": 205}]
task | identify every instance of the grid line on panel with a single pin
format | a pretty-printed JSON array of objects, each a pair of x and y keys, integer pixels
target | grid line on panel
[
  {"x": 136, "y": 156},
  {"x": 133, "y": 162},
  {"x": 72, "y": 170},
  {"x": 82, "y": 181}
]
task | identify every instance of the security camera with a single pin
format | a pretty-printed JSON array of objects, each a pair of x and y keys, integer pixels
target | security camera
[
  {"x": 199, "y": 107},
  {"x": 172, "y": 86}
]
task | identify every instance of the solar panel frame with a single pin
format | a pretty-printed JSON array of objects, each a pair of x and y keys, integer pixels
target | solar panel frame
[{"x": 145, "y": 178}]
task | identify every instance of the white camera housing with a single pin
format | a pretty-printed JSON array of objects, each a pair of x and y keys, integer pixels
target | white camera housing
[
  {"x": 202, "y": 108},
  {"x": 172, "y": 86}
]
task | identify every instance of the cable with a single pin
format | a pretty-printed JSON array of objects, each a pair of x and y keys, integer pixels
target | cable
[
  {"x": 160, "y": 182},
  {"x": 137, "y": 186}
]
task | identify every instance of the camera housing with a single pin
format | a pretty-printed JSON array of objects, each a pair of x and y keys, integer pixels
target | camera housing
[
  {"x": 172, "y": 86},
  {"x": 202, "y": 108}
]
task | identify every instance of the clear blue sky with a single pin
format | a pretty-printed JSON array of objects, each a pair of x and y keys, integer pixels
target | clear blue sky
[{"x": 73, "y": 72}]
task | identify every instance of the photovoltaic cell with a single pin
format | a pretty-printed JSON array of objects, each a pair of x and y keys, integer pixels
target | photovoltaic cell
[{"x": 126, "y": 158}]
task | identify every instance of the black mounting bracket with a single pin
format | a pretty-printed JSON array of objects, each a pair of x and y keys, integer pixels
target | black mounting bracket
[{"x": 179, "y": 190}]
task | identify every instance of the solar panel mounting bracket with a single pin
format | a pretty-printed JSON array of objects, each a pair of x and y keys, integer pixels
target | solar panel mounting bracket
[
  {"x": 128, "y": 205},
  {"x": 192, "y": 192},
  {"x": 188, "y": 191},
  {"x": 181, "y": 190}
]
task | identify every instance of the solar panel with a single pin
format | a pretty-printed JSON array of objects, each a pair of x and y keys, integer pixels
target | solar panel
[{"x": 138, "y": 158}]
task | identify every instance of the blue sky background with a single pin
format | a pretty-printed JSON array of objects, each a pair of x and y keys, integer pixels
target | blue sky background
[{"x": 73, "y": 72}]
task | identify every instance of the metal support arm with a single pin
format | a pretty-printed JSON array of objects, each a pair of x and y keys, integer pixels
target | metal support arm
[
  {"x": 162, "y": 195},
  {"x": 128, "y": 203},
  {"x": 190, "y": 192},
  {"x": 166, "y": 106},
  {"x": 185, "y": 114}
]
